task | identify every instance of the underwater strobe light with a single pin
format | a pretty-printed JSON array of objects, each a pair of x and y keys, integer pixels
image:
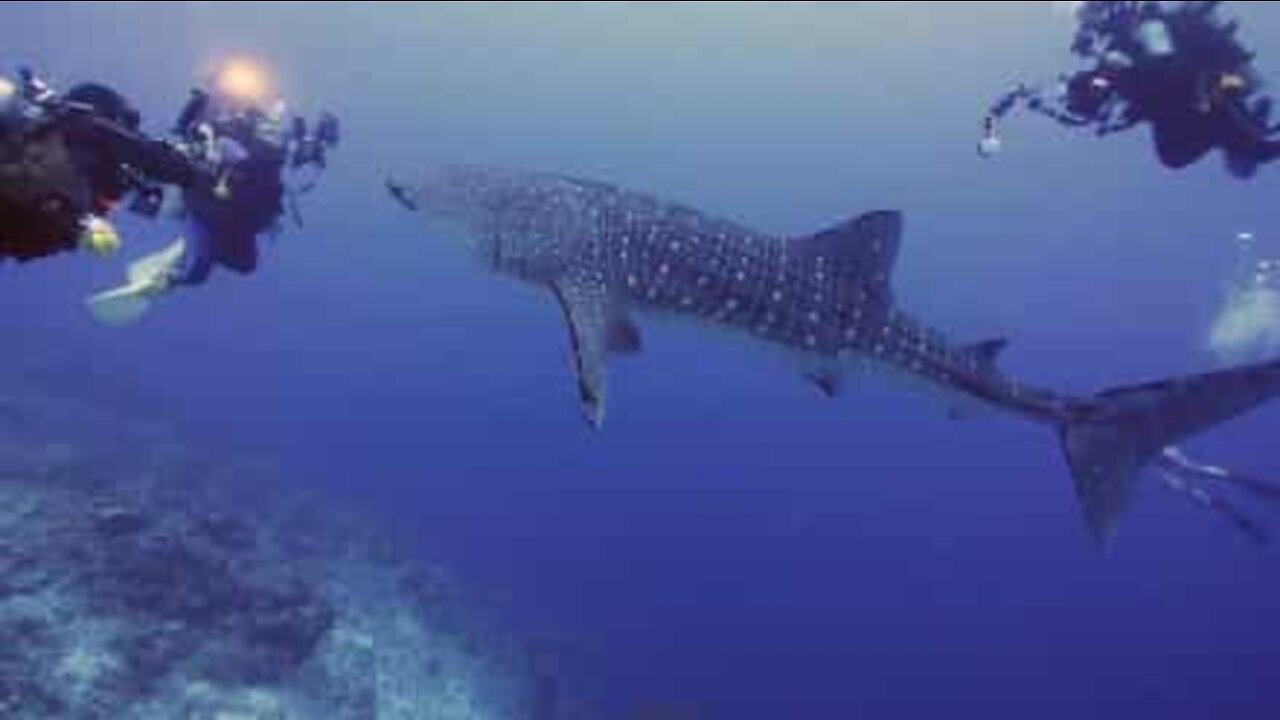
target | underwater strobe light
[{"x": 243, "y": 80}]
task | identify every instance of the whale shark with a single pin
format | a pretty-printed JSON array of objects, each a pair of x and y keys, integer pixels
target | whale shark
[{"x": 607, "y": 254}]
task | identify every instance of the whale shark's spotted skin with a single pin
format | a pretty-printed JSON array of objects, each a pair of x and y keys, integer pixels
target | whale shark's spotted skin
[{"x": 606, "y": 252}]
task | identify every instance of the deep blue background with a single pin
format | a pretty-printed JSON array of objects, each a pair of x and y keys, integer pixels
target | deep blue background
[{"x": 732, "y": 539}]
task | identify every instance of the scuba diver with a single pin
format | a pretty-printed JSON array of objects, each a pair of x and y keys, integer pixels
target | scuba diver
[
  {"x": 1179, "y": 68},
  {"x": 247, "y": 151},
  {"x": 66, "y": 161}
]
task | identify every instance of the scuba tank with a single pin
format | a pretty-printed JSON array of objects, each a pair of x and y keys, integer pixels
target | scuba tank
[
  {"x": 43, "y": 195},
  {"x": 1154, "y": 38}
]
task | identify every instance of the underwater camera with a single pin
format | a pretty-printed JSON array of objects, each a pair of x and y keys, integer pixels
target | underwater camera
[
  {"x": 313, "y": 148},
  {"x": 329, "y": 132}
]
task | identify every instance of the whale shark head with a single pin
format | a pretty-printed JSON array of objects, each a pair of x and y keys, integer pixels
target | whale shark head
[
  {"x": 529, "y": 225},
  {"x": 447, "y": 202}
]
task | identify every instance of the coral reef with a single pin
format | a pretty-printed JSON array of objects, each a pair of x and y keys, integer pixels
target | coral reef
[{"x": 140, "y": 579}]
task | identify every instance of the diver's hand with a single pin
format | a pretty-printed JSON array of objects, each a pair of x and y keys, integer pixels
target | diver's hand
[
  {"x": 222, "y": 189},
  {"x": 99, "y": 237}
]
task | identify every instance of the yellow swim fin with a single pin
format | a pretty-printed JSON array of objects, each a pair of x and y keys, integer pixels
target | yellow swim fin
[{"x": 147, "y": 278}]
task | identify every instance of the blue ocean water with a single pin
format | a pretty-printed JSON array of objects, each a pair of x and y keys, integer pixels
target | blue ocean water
[{"x": 732, "y": 541}]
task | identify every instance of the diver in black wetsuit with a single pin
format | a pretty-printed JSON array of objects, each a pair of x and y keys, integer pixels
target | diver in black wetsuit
[
  {"x": 1180, "y": 69},
  {"x": 66, "y": 160},
  {"x": 247, "y": 151}
]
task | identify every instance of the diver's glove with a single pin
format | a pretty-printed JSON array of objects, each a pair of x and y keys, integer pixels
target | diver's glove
[{"x": 99, "y": 237}]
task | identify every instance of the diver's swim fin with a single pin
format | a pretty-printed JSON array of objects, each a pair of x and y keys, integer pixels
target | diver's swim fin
[
  {"x": 147, "y": 278},
  {"x": 157, "y": 265},
  {"x": 120, "y": 307}
]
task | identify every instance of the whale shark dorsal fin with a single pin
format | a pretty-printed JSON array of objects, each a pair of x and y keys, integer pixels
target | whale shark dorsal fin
[
  {"x": 585, "y": 304},
  {"x": 988, "y": 353},
  {"x": 862, "y": 250}
]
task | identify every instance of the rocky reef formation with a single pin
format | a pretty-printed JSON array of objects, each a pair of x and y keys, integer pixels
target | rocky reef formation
[{"x": 140, "y": 579}]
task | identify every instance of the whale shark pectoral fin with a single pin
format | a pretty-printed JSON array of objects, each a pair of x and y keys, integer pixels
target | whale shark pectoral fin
[{"x": 585, "y": 304}]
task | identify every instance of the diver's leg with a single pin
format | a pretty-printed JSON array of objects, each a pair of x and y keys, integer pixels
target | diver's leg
[
  {"x": 1260, "y": 112},
  {"x": 1241, "y": 165},
  {"x": 198, "y": 259},
  {"x": 240, "y": 254},
  {"x": 1246, "y": 151},
  {"x": 1268, "y": 151},
  {"x": 1217, "y": 505},
  {"x": 1179, "y": 144},
  {"x": 1176, "y": 461}
]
